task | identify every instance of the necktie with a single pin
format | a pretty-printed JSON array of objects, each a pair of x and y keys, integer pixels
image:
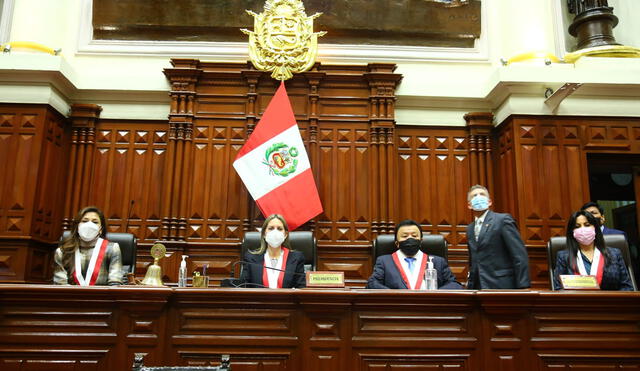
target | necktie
[
  {"x": 478, "y": 228},
  {"x": 410, "y": 261}
]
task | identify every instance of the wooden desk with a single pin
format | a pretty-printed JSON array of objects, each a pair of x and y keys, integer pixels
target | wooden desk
[{"x": 100, "y": 328}]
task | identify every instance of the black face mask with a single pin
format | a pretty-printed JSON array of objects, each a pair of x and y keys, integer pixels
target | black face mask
[{"x": 410, "y": 246}]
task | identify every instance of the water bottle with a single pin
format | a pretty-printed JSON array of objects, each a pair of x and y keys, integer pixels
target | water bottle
[
  {"x": 431, "y": 276},
  {"x": 182, "y": 273}
]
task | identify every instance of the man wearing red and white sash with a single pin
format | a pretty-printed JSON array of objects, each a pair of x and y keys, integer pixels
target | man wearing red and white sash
[
  {"x": 86, "y": 257},
  {"x": 405, "y": 268}
]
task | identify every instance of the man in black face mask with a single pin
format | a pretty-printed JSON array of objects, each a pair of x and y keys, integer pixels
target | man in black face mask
[{"x": 404, "y": 269}]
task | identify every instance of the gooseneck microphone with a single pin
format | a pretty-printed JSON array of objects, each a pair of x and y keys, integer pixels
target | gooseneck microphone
[{"x": 236, "y": 282}]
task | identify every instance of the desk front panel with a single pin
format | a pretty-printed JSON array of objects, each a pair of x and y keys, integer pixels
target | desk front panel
[{"x": 101, "y": 328}]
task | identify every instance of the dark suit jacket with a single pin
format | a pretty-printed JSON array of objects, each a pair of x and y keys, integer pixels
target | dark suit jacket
[
  {"x": 387, "y": 276},
  {"x": 499, "y": 258},
  {"x": 607, "y": 230},
  {"x": 614, "y": 277},
  {"x": 294, "y": 270}
]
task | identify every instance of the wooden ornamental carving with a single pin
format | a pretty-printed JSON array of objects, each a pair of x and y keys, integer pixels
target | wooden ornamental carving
[
  {"x": 480, "y": 125},
  {"x": 177, "y": 171},
  {"x": 83, "y": 119}
]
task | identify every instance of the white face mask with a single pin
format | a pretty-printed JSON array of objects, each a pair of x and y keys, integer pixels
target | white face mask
[
  {"x": 88, "y": 231},
  {"x": 274, "y": 238}
]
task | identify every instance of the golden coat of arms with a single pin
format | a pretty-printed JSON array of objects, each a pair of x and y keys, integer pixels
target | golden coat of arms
[{"x": 283, "y": 40}]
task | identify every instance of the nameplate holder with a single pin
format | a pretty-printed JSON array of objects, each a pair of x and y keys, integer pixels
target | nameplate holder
[
  {"x": 579, "y": 282},
  {"x": 325, "y": 279}
]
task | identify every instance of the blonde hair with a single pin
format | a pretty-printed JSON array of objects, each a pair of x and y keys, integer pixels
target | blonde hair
[
  {"x": 477, "y": 186},
  {"x": 263, "y": 231}
]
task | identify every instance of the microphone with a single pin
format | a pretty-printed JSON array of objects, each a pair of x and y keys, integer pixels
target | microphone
[
  {"x": 126, "y": 227},
  {"x": 237, "y": 282},
  {"x": 232, "y": 281}
]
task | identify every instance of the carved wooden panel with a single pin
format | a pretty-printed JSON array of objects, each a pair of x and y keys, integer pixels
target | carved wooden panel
[
  {"x": 542, "y": 173},
  {"x": 54, "y": 327},
  {"x": 21, "y": 131},
  {"x": 433, "y": 180},
  {"x": 128, "y": 166},
  {"x": 32, "y": 156}
]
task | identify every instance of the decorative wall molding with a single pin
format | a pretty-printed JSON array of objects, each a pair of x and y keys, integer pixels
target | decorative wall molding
[{"x": 238, "y": 52}]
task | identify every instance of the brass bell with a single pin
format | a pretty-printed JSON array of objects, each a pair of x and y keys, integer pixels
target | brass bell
[{"x": 154, "y": 272}]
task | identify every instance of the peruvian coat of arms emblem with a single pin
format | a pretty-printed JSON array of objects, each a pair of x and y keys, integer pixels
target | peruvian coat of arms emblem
[
  {"x": 281, "y": 159},
  {"x": 283, "y": 41}
]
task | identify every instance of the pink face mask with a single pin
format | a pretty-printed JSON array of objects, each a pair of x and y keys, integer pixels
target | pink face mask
[{"x": 585, "y": 235}]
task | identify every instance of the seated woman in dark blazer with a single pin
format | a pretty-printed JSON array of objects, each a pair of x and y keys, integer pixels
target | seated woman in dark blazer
[
  {"x": 274, "y": 252},
  {"x": 587, "y": 254},
  {"x": 86, "y": 257}
]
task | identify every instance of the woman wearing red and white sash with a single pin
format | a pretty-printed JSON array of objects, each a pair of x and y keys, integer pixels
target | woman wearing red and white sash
[
  {"x": 405, "y": 268},
  {"x": 274, "y": 264},
  {"x": 587, "y": 254},
  {"x": 86, "y": 257}
]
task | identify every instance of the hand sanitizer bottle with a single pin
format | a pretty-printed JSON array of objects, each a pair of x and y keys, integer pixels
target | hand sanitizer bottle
[
  {"x": 431, "y": 276},
  {"x": 182, "y": 273}
]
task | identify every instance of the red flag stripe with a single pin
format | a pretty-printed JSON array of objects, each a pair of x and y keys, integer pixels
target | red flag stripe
[{"x": 297, "y": 200}]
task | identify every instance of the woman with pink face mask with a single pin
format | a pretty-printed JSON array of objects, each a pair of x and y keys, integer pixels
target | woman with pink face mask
[
  {"x": 587, "y": 254},
  {"x": 274, "y": 264},
  {"x": 86, "y": 257}
]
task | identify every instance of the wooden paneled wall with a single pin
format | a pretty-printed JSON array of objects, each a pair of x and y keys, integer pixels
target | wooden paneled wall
[
  {"x": 542, "y": 174},
  {"x": 173, "y": 181},
  {"x": 32, "y": 159}
]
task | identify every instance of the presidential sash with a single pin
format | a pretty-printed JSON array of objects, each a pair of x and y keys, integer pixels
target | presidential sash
[
  {"x": 265, "y": 275},
  {"x": 420, "y": 276},
  {"x": 93, "y": 269},
  {"x": 597, "y": 265}
]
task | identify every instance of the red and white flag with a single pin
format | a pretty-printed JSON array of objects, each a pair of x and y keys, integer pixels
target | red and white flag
[{"x": 275, "y": 168}]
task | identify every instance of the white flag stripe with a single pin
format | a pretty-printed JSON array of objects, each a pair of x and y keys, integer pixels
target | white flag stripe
[{"x": 255, "y": 174}]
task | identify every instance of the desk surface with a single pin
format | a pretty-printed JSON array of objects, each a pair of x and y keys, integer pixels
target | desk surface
[{"x": 100, "y": 328}]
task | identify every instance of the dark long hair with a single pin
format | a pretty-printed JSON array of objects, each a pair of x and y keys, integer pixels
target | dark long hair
[
  {"x": 573, "y": 246},
  {"x": 69, "y": 244}
]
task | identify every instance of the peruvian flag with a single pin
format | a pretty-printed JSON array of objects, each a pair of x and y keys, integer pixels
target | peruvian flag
[{"x": 274, "y": 166}]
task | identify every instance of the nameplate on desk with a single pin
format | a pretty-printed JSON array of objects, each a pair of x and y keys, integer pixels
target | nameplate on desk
[
  {"x": 325, "y": 279},
  {"x": 579, "y": 282}
]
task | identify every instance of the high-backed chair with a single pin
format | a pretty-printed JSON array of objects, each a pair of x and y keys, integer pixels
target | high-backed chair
[
  {"x": 128, "y": 249},
  {"x": 431, "y": 244},
  {"x": 618, "y": 241},
  {"x": 138, "y": 365},
  {"x": 302, "y": 241}
]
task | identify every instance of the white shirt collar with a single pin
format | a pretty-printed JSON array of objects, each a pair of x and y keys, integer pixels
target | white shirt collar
[{"x": 481, "y": 217}]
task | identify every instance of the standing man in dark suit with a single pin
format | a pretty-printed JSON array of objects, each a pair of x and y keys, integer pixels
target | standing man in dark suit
[
  {"x": 597, "y": 211},
  {"x": 497, "y": 256},
  {"x": 404, "y": 269}
]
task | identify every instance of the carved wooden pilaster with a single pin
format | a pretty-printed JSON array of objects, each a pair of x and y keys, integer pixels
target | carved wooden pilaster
[
  {"x": 83, "y": 119},
  {"x": 252, "y": 78},
  {"x": 178, "y": 168},
  {"x": 313, "y": 78},
  {"x": 480, "y": 125},
  {"x": 382, "y": 86}
]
